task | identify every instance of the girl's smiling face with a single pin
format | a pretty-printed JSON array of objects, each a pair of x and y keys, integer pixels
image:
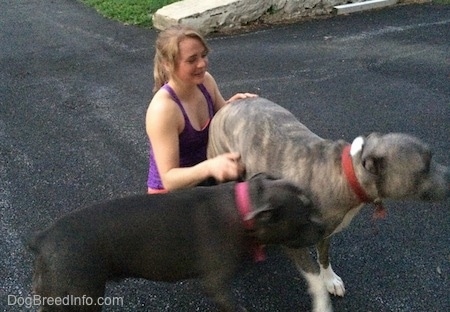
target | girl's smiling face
[{"x": 192, "y": 61}]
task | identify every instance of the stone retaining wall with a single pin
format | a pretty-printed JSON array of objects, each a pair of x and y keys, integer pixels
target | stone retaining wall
[{"x": 217, "y": 15}]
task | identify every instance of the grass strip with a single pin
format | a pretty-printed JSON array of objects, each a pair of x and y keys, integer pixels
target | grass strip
[{"x": 129, "y": 12}]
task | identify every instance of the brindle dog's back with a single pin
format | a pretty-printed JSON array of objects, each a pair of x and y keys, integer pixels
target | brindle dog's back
[{"x": 260, "y": 129}]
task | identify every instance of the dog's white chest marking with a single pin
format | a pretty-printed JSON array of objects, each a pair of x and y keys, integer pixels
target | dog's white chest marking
[{"x": 347, "y": 219}]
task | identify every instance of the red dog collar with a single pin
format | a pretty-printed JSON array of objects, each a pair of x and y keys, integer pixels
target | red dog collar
[
  {"x": 244, "y": 207},
  {"x": 349, "y": 172}
]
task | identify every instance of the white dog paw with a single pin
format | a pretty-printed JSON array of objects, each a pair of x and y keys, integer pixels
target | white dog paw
[{"x": 333, "y": 282}]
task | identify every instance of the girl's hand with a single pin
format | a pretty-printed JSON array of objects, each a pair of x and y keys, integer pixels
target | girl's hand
[
  {"x": 239, "y": 96},
  {"x": 226, "y": 167}
]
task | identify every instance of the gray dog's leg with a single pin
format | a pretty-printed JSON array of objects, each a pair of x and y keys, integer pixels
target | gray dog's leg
[
  {"x": 218, "y": 262},
  {"x": 305, "y": 264},
  {"x": 216, "y": 287}
]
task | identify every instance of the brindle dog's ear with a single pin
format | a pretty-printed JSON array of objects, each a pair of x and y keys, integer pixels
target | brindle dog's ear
[
  {"x": 374, "y": 165},
  {"x": 372, "y": 157}
]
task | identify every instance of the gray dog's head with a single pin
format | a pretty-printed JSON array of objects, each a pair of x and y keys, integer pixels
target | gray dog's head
[
  {"x": 402, "y": 167},
  {"x": 284, "y": 214}
]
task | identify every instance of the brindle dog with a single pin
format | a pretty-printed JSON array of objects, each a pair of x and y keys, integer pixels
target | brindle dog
[{"x": 339, "y": 176}]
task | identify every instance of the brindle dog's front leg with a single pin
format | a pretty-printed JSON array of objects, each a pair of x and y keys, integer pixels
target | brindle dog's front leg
[
  {"x": 333, "y": 282},
  {"x": 306, "y": 265}
]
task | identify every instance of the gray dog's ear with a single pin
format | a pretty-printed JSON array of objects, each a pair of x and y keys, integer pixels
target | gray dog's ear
[
  {"x": 372, "y": 157},
  {"x": 263, "y": 212},
  {"x": 262, "y": 175}
]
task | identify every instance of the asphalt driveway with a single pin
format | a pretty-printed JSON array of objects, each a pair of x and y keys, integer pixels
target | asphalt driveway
[{"x": 74, "y": 88}]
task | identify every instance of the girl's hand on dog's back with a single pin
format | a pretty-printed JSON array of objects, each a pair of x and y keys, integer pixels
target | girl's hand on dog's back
[{"x": 240, "y": 96}]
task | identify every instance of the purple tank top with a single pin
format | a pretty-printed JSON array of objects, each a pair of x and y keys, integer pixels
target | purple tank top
[{"x": 192, "y": 142}]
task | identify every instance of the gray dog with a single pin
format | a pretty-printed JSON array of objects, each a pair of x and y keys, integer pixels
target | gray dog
[
  {"x": 339, "y": 176},
  {"x": 199, "y": 232}
]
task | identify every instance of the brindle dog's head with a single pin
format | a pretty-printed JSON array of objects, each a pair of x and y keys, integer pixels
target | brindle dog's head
[{"x": 403, "y": 167}]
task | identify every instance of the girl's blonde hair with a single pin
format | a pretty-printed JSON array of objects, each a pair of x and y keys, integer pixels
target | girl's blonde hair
[{"x": 167, "y": 49}]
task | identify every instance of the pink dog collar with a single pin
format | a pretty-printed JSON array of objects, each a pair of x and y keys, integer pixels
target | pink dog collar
[{"x": 244, "y": 207}]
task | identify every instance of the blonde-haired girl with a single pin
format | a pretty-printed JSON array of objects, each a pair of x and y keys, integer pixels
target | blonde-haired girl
[{"x": 185, "y": 99}]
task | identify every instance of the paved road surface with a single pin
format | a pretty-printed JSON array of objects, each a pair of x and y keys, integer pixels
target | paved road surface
[{"x": 73, "y": 93}]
